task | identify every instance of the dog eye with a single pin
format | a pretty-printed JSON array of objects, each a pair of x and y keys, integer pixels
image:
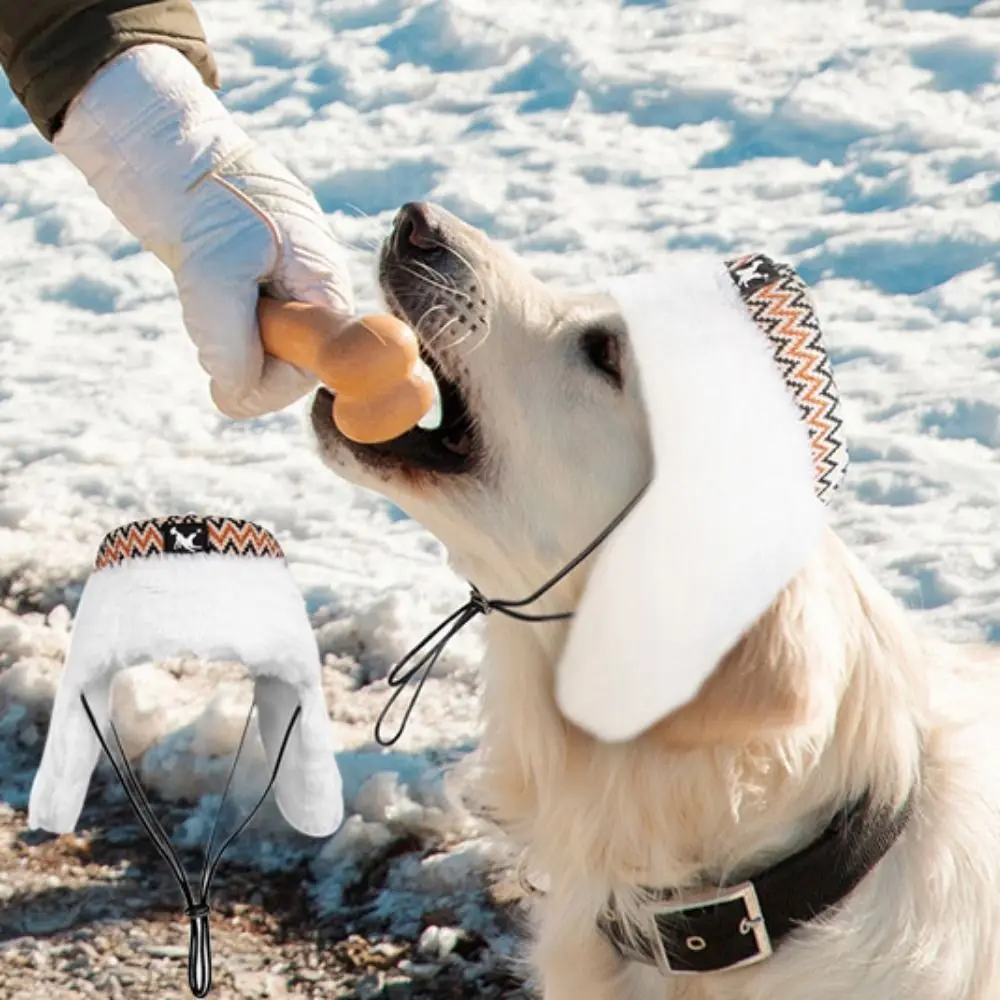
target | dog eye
[{"x": 603, "y": 350}]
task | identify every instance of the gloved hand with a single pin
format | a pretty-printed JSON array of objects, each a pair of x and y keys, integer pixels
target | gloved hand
[{"x": 223, "y": 214}]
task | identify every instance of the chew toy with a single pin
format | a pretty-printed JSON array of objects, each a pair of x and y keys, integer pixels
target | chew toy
[{"x": 372, "y": 364}]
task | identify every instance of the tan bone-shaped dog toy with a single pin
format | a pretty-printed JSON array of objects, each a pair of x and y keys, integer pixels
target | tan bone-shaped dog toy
[{"x": 382, "y": 387}]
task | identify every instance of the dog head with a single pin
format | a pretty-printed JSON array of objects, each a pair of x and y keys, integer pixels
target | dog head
[{"x": 543, "y": 438}]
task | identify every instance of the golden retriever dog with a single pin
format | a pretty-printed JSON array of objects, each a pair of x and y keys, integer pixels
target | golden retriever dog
[{"x": 830, "y": 697}]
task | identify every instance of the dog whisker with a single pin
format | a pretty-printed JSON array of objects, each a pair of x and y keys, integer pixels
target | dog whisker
[
  {"x": 461, "y": 340},
  {"x": 434, "y": 281},
  {"x": 479, "y": 343},
  {"x": 363, "y": 243},
  {"x": 419, "y": 325},
  {"x": 464, "y": 261},
  {"x": 382, "y": 230},
  {"x": 435, "y": 275},
  {"x": 362, "y": 214},
  {"x": 442, "y": 283},
  {"x": 441, "y": 331}
]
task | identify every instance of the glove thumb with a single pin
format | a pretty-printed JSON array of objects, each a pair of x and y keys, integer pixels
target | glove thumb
[
  {"x": 281, "y": 385},
  {"x": 245, "y": 381}
]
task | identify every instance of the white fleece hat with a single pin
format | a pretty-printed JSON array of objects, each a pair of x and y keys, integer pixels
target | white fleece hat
[
  {"x": 747, "y": 446},
  {"x": 215, "y": 587}
]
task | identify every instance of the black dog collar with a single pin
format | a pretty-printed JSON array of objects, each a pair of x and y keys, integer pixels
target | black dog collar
[{"x": 742, "y": 924}]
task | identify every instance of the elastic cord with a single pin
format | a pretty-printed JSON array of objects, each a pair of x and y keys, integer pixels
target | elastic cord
[
  {"x": 197, "y": 909},
  {"x": 478, "y": 604}
]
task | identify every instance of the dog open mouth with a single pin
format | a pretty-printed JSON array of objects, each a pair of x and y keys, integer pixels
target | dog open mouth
[
  {"x": 450, "y": 448},
  {"x": 423, "y": 283}
]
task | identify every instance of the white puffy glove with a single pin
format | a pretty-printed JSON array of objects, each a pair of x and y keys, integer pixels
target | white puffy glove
[{"x": 223, "y": 214}]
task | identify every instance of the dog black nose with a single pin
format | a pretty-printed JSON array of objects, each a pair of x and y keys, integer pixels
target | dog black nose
[{"x": 416, "y": 229}]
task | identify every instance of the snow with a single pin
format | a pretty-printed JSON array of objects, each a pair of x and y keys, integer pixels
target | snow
[{"x": 856, "y": 140}]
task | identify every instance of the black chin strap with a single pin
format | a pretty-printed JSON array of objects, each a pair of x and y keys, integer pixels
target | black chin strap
[
  {"x": 420, "y": 660},
  {"x": 197, "y": 907}
]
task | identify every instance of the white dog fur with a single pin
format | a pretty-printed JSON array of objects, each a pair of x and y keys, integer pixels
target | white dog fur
[{"x": 832, "y": 692}]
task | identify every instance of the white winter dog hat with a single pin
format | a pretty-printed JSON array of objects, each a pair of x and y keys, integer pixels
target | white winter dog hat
[
  {"x": 746, "y": 432},
  {"x": 218, "y": 588}
]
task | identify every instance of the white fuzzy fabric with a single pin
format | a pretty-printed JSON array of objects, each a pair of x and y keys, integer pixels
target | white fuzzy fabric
[
  {"x": 215, "y": 607},
  {"x": 730, "y": 517}
]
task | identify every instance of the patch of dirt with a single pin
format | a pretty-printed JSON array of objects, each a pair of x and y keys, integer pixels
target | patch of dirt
[{"x": 96, "y": 914}]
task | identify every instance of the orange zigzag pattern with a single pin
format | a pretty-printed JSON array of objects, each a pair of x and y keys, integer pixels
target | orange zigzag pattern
[
  {"x": 220, "y": 535},
  {"x": 779, "y": 303},
  {"x": 249, "y": 536},
  {"x": 796, "y": 336},
  {"x": 138, "y": 539}
]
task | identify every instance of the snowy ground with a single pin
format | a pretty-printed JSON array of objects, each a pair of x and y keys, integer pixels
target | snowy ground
[{"x": 856, "y": 140}]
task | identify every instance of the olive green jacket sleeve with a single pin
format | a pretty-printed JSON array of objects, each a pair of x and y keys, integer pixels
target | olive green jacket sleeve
[{"x": 49, "y": 49}]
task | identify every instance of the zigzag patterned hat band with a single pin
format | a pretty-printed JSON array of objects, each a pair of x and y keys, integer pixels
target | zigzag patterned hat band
[
  {"x": 186, "y": 534},
  {"x": 780, "y": 305}
]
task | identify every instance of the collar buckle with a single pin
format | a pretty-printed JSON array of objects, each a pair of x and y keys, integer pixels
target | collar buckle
[{"x": 753, "y": 923}]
